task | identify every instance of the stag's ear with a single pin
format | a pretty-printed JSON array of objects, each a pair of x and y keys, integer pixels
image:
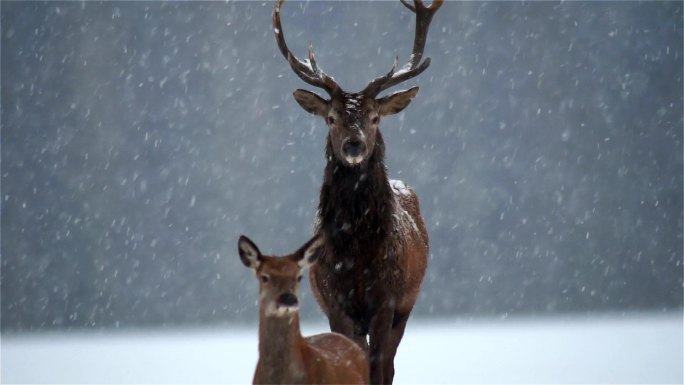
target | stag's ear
[
  {"x": 307, "y": 254},
  {"x": 249, "y": 252},
  {"x": 394, "y": 103},
  {"x": 311, "y": 102}
]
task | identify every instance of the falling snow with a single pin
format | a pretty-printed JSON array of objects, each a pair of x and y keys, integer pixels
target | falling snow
[{"x": 140, "y": 139}]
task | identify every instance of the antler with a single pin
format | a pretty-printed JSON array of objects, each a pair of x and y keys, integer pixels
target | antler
[
  {"x": 307, "y": 70},
  {"x": 414, "y": 67}
]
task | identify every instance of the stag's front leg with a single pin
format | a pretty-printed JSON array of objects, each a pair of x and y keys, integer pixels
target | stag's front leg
[
  {"x": 397, "y": 332},
  {"x": 341, "y": 323},
  {"x": 380, "y": 338}
]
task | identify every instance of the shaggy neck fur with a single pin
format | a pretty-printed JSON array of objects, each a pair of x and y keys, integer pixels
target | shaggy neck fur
[{"x": 356, "y": 204}]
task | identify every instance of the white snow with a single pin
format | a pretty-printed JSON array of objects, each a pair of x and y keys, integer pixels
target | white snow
[
  {"x": 629, "y": 349},
  {"x": 399, "y": 187},
  {"x": 351, "y": 106}
]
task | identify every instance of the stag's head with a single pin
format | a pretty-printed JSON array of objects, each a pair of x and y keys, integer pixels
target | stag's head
[
  {"x": 279, "y": 277},
  {"x": 353, "y": 118}
]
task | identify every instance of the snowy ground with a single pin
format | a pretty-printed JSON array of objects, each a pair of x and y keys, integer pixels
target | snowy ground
[{"x": 628, "y": 349}]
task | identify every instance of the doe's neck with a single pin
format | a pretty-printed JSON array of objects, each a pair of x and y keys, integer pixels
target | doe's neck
[{"x": 280, "y": 357}]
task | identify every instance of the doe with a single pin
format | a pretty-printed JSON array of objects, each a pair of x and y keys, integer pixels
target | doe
[{"x": 285, "y": 357}]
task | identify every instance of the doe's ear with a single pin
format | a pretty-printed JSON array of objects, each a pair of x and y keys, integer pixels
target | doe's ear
[
  {"x": 249, "y": 252},
  {"x": 311, "y": 102},
  {"x": 307, "y": 254},
  {"x": 394, "y": 103}
]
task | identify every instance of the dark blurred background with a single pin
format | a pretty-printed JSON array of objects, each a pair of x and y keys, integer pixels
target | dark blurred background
[{"x": 139, "y": 139}]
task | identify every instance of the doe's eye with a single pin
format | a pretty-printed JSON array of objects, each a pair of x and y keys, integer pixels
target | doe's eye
[
  {"x": 375, "y": 120},
  {"x": 331, "y": 119},
  {"x": 263, "y": 278},
  {"x": 299, "y": 279}
]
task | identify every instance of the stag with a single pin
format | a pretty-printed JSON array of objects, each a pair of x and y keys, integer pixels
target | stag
[
  {"x": 375, "y": 247},
  {"x": 285, "y": 357}
]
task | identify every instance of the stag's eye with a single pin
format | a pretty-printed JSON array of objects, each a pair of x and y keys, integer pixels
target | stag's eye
[
  {"x": 263, "y": 278},
  {"x": 331, "y": 120},
  {"x": 375, "y": 120}
]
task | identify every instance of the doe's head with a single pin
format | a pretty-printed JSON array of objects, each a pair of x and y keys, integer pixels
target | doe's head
[{"x": 279, "y": 277}]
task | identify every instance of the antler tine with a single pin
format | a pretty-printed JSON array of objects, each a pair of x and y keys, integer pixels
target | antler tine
[
  {"x": 413, "y": 67},
  {"x": 307, "y": 71},
  {"x": 408, "y": 5},
  {"x": 424, "y": 16},
  {"x": 312, "y": 60},
  {"x": 379, "y": 81}
]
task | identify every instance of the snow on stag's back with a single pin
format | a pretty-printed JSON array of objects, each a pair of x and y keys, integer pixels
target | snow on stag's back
[{"x": 400, "y": 187}]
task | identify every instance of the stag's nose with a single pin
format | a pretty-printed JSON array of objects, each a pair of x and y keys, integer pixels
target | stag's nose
[
  {"x": 288, "y": 299},
  {"x": 353, "y": 148}
]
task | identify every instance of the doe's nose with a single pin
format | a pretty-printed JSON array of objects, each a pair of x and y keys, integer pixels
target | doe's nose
[
  {"x": 288, "y": 299},
  {"x": 353, "y": 148}
]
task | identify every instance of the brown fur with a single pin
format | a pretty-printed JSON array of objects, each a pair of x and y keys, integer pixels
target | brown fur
[
  {"x": 285, "y": 357},
  {"x": 376, "y": 244},
  {"x": 375, "y": 255}
]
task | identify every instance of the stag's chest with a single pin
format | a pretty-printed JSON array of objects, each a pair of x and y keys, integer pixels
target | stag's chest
[{"x": 359, "y": 283}]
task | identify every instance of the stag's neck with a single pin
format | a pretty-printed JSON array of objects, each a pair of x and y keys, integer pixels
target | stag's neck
[
  {"x": 280, "y": 356},
  {"x": 356, "y": 203}
]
